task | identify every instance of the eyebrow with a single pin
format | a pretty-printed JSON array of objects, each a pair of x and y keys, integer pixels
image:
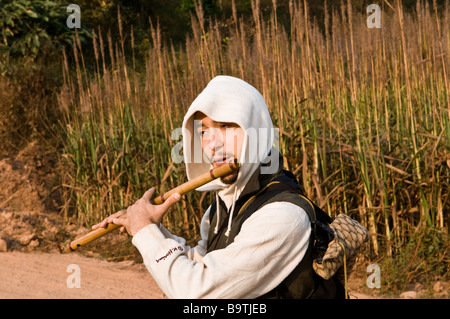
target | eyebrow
[{"x": 221, "y": 123}]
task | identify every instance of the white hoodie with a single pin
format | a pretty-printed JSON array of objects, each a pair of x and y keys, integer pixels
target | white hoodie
[{"x": 272, "y": 241}]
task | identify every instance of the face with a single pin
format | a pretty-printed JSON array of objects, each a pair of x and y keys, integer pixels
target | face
[{"x": 221, "y": 142}]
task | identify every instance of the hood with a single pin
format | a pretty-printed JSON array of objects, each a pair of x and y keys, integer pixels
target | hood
[{"x": 229, "y": 99}]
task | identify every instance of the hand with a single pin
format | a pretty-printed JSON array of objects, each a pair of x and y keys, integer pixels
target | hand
[{"x": 143, "y": 212}]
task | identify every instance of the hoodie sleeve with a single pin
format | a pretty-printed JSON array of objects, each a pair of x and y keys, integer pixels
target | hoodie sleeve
[
  {"x": 198, "y": 251},
  {"x": 269, "y": 246}
]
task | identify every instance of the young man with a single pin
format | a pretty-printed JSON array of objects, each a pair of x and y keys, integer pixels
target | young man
[{"x": 244, "y": 252}]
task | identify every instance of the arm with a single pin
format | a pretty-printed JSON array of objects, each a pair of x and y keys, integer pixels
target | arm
[
  {"x": 198, "y": 251},
  {"x": 270, "y": 245}
]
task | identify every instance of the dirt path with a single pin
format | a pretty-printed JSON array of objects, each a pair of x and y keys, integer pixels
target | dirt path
[{"x": 45, "y": 275}]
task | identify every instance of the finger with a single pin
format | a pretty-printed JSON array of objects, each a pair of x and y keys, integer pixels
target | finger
[
  {"x": 148, "y": 194},
  {"x": 102, "y": 224},
  {"x": 108, "y": 220},
  {"x": 124, "y": 223},
  {"x": 175, "y": 197},
  {"x": 96, "y": 226},
  {"x": 121, "y": 221}
]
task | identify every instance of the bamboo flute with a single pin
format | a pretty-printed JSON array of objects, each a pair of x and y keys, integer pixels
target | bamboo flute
[{"x": 203, "y": 179}]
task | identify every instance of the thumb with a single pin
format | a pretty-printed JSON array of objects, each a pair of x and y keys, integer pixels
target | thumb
[
  {"x": 164, "y": 207},
  {"x": 175, "y": 197}
]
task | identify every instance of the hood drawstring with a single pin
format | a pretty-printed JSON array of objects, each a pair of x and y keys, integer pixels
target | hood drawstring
[
  {"x": 231, "y": 213},
  {"x": 216, "y": 229}
]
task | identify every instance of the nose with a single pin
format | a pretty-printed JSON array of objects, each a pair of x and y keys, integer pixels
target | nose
[{"x": 215, "y": 141}]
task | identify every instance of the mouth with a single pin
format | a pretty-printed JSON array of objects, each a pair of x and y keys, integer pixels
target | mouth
[{"x": 223, "y": 160}]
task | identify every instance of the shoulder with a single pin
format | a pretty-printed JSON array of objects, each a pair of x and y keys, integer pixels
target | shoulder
[
  {"x": 279, "y": 226},
  {"x": 284, "y": 210},
  {"x": 281, "y": 215}
]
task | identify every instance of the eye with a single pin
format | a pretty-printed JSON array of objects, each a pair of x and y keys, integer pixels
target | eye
[
  {"x": 204, "y": 134},
  {"x": 201, "y": 131},
  {"x": 227, "y": 125}
]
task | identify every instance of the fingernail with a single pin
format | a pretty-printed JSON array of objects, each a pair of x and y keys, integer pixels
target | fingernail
[{"x": 176, "y": 196}]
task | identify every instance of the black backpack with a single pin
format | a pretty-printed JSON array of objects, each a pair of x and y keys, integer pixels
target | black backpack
[{"x": 303, "y": 282}]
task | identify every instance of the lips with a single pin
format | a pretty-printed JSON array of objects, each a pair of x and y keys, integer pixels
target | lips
[{"x": 221, "y": 161}]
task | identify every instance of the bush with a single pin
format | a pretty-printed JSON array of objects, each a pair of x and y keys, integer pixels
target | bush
[
  {"x": 422, "y": 260},
  {"x": 27, "y": 26}
]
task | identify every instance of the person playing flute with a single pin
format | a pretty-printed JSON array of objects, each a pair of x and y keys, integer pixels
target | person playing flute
[{"x": 256, "y": 236}]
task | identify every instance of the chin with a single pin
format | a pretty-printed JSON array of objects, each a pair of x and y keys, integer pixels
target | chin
[{"x": 230, "y": 179}]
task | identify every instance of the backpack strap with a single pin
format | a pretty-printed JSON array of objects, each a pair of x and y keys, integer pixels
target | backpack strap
[{"x": 320, "y": 221}]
